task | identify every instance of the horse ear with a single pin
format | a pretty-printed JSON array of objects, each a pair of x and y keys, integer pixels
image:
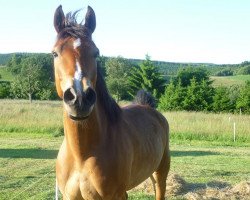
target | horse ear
[
  {"x": 59, "y": 19},
  {"x": 90, "y": 21}
]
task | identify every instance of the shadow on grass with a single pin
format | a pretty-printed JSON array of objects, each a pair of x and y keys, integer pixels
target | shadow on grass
[
  {"x": 28, "y": 153},
  {"x": 193, "y": 153},
  {"x": 140, "y": 196},
  {"x": 193, "y": 187}
]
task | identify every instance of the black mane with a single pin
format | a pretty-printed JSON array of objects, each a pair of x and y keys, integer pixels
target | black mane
[
  {"x": 111, "y": 108},
  {"x": 72, "y": 28}
]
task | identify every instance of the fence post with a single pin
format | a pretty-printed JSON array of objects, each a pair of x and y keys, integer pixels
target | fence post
[
  {"x": 234, "y": 132},
  {"x": 56, "y": 195}
]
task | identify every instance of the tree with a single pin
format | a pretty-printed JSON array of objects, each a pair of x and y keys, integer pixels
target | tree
[
  {"x": 243, "y": 101},
  {"x": 221, "y": 100},
  {"x": 225, "y": 72},
  {"x": 34, "y": 78},
  {"x": 198, "y": 96},
  {"x": 244, "y": 70},
  {"x": 27, "y": 81},
  {"x": 102, "y": 63},
  {"x": 14, "y": 64},
  {"x": 117, "y": 70},
  {"x": 173, "y": 97},
  {"x": 233, "y": 94},
  {"x": 4, "y": 89},
  {"x": 146, "y": 77},
  {"x": 186, "y": 74}
]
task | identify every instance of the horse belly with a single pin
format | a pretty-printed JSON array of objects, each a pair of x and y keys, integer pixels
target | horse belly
[{"x": 146, "y": 160}]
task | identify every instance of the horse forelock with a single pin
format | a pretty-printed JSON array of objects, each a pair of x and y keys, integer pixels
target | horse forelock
[{"x": 73, "y": 28}]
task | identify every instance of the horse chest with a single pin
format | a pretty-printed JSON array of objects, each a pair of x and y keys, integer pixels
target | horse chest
[{"x": 78, "y": 186}]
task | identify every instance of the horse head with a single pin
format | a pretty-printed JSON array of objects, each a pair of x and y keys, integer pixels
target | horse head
[{"x": 75, "y": 63}]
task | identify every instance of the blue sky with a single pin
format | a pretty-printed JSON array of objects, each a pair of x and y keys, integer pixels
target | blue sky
[{"x": 213, "y": 31}]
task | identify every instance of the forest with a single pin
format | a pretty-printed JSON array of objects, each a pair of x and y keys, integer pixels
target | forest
[{"x": 175, "y": 86}]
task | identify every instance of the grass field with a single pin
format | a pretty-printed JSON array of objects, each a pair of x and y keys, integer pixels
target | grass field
[
  {"x": 203, "y": 153},
  {"x": 5, "y": 75},
  {"x": 230, "y": 80}
]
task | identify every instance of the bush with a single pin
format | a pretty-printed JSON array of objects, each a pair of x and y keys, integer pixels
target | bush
[
  {"x": 243, "y": 101},
  {"x": 187, "y": 74},
  {"x": 173, "y": 97},
  {"x": 198, "y": 96},
  {"x": 222, "y": 101},
  {"x": 4, "y": 89}
]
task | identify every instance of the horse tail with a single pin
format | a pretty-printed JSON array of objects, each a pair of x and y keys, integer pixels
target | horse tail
[{"x": 145, "y": 98}]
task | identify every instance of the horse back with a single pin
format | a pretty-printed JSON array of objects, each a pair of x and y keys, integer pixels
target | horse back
[{"x": 146, "y": 120}]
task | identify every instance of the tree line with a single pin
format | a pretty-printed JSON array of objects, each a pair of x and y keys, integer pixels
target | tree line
[
  {"x": 33, "y": 78},
  {"x": 188, "y": 89}
]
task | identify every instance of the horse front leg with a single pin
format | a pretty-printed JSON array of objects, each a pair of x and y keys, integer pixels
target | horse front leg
[
  {"x": 125, "y": 196},
  {"x": 122, "y": 197}
]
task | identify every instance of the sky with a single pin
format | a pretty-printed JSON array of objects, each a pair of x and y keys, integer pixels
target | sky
[{"x": 197, "y": 31}]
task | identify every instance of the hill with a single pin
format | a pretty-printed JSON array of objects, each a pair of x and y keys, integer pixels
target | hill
[{"x": 4, "y": 58}]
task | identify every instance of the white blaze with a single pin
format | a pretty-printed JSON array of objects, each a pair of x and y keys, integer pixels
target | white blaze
[
  {"x": 67, "y": 84},
  {"x": 78, "y": 71},
  {"x": 78, "y": 78},
  {"x": 77, "y": 43}
]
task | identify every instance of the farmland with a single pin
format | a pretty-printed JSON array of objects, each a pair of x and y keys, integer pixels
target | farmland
[
  {"x": 202, "y": 148},
  {"x": 230, "y": 80}
]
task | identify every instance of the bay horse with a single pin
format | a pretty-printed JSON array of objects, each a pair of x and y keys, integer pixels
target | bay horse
[{"x": 107, "y": 150}]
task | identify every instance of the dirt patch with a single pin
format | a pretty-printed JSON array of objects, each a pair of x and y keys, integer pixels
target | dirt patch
[
  {"x": 177, "y": 187},
  {"x": 240, "y": 191},
  {"x": 243, "y": 189}
]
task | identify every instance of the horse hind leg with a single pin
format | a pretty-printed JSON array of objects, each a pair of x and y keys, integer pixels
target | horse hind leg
[{"x": 160, "y": 176}]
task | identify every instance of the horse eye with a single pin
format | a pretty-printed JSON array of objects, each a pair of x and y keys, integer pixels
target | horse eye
[{"x": 54, "y": 54}]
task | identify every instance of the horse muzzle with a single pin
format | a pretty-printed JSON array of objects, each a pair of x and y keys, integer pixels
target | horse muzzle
[{"x": 79, "y": 105}]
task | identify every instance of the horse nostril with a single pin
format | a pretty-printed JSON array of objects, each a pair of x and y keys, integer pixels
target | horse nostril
[
  {"x": 90, "y": 96},
  {"x": 69, "y": 96}
]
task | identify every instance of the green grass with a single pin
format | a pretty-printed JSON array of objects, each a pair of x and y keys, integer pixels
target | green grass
[
  {"x": 209, "y": 127},
  {"x": 205, "y": 163},
  {"x": 201, "y": 146},
  {"x": 40, "y": 117},
  {"x": 140, "y": 196},
  {"x": 229, "y": 80},
  {"x": 28, "y": 165},
  {"x": 5, "y": 74},
  {"x": 45, "y": 117}
]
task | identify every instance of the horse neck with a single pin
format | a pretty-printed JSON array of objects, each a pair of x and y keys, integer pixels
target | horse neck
[{"x": 82, "y": 136}]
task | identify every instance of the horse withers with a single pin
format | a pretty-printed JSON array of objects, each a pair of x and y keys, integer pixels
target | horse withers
[{"x": 107, "y": 150}]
